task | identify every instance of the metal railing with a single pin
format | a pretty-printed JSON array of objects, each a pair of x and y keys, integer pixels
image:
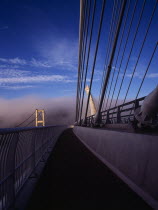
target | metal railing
[
  {"x": 123, "y": 113},
  {"x": 20, "y": 152}
]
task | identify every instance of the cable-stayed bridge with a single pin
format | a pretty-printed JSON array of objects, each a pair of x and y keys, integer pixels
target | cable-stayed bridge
[{"x": 109, "y": 159}]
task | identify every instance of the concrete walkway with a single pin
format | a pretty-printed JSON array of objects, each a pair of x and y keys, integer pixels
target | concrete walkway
[{"x": 75, "y": 179}]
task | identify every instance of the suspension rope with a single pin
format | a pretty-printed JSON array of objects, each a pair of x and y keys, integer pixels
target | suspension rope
[
  {"x": 112, "y": 55},
  {"x": 151, "y": 58},
  {"x": 83, "y": 41},
  {"x": 108, "y": 84},
  {"x": 133, "y": 42},
  {"x": 95, "y": 55},
  {"x": 25, "y": 120},
  {"x": 128, "y": 33},
  {"x": 145, "y": 37},
  {"x": 39, "y": 114},
  {"x": 119, "y": 48},
  {"x": 109, "y": 44},
  {"x": 111, "y": 40},
  {"x": 79, "y": 54},
  {"x": 89, "y": 48},
  {"x": 84, "y": 57}
]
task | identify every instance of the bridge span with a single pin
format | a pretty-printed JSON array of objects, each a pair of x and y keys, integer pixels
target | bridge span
[
  {"x": 74, "y": 178},
  {"x": 109, "y": 160}
]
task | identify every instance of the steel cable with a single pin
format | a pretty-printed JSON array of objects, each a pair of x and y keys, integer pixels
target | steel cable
[
  {"x": 112, "y": 36},
  {"x": 95, "y": 56},
  {"x": 109, "y": 41},
  {"x": 119, "y": 48},
  {"x": 79, "y": 55},
  {"x": 133, "y": 42},
  {"x": 112, "y": 56},
  {"x": 88, "y": 54},
  {"x": 147, "y": 30},
  {"x": 83, "y": 63},
  {"x": 25, "y": 120},
  {"x": 129, "y": 30}
]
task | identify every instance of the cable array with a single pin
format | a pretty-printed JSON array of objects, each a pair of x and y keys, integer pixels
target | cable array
[{"x": 128, "y": 28}]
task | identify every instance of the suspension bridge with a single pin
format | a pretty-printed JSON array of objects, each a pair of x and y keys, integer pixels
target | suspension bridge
[{"x": 108, "y": 158}]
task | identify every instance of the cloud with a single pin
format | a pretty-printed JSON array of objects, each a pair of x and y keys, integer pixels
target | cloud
[
  {"x": 37, "y": 63},
  {"x": 38, "y": 78},
  {"x": 136, "y": 74},
  {"x": 5, "y": 66},
  {"x": 13, "y": 72},
  {"x": 152, "y": 75},
  {"x": 59, "y": 111},
  {"x": 60, "y": 53},
  {"x": 19, "y": 61},
  {"x": 17, "y": 87},
  {"x": 13, "y": 61},
  {"x": 140, "y": 75}
]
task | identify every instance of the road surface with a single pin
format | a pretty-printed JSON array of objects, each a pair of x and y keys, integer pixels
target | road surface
[{"x": 74, "y": 178}]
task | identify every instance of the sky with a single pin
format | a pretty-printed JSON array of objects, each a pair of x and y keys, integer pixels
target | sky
[
  {"x": 39, "y": 52},
  {"x": 39, "y": 48}
]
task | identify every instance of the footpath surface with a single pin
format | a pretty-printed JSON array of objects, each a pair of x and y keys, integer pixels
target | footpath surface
[{"x": 74, "y": 178}]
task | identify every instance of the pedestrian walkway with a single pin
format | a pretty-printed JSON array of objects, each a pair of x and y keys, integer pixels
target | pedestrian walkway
[{"x": 74, "y": 178}]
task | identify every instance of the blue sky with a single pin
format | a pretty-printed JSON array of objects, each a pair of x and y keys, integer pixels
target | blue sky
[{"x": 39, "y": 49}]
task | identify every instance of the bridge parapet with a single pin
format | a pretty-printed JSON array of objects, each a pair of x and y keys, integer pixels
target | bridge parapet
[
  {"x": 21, "y": 150},
  {"x": 121, "y": 117},
  {"x": 131, "y": 156},
  {"x": 123, "y": 113}
]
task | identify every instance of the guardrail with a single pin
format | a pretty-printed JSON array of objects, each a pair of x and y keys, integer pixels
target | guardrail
[
  {"x": 123, "y": 113},
  {"x": 20, "y": 152}
]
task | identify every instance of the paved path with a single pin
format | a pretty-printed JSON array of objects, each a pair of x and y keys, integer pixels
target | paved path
[{"x": 75, "y": 179}]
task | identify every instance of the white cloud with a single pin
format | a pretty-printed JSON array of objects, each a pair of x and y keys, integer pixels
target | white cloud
[
  {"x": 60, "y": 53},
  {"x": 18, "y": 61},
  {"x": 37, "y": 63},
  {"x": 5, "y": 66},
  {"x": 13, "y": 73},
  {"x": 17, "y": 87},
  {"x": 13, "y": 61},
  {"x": 38, "y": 78},
  {"x": 140, "y": 75},
  {"x": 136, "y": 74},
  {"x": 152, "y": 75}
]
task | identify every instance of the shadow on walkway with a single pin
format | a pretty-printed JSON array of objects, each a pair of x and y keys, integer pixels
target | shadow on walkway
[{"x": 74, "y": 178}]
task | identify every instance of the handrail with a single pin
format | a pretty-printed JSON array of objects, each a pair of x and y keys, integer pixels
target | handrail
[
  {"x": 114, "y": 113},
  {"x": 21, "y": 149}
]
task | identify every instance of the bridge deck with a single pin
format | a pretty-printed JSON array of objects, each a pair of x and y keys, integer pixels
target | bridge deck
[{"x": 75, "y": 179}]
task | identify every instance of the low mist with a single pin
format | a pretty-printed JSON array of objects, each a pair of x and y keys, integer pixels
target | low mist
[{"x": 59, "y": 111}]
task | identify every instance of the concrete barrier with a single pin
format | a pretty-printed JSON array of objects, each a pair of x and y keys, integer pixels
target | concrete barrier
[{"x": 133, "y": 157}]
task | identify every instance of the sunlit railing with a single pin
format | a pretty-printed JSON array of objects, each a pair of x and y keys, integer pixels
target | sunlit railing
[
  {"x": 20, "y": 152},
  {"x": 123, "y": 113}
]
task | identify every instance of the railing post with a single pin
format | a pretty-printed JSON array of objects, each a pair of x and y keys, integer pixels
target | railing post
[
  {"x": 118, "y": 115},
  {"x": 136, "y": 104},
  {"x": 107, "y": 118}
]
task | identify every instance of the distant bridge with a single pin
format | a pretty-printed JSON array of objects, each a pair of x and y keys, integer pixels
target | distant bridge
[{"x": 106, "y": 160}]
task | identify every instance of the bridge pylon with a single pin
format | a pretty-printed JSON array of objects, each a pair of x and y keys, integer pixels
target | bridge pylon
[
  {"x": 93, "y": 109},
  {"x": 42, "y": 120}
]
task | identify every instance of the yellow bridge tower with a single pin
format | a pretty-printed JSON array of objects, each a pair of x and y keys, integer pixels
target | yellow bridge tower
[{"x": 42, "y": 120}]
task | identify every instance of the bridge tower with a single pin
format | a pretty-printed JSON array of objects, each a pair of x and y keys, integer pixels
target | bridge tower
[
  {"x": 91, "y": 102},
  {"x": 42, "y": 120}
]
